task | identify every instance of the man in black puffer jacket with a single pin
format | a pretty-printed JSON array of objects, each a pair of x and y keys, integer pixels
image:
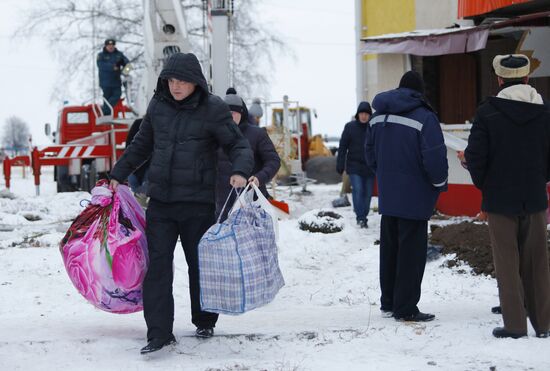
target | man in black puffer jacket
[
  {"x": 266, "y": 159},
  {"x": 138, "y": 179},
  {"x": 182, "y": 130}
]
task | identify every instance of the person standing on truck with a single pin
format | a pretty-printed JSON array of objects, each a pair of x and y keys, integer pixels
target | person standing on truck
[
  {"x": 181, "y": 132},
  {"x": 508, "y": 159},
  {"x": 111, "y": 63}
]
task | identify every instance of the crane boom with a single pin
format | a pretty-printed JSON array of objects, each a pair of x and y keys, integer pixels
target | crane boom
[{"x": 165, "y": 33}]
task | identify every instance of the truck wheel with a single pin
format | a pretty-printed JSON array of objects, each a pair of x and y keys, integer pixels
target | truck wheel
[
  {"x": 88, "y": 176},
  {"x": 61, "y": 175}
]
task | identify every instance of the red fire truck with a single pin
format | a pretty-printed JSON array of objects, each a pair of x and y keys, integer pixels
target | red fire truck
[{"x": 88, "y": 143}]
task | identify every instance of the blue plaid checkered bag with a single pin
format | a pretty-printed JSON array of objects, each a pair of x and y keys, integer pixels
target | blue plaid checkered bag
[{"x": 238, "y": 264}]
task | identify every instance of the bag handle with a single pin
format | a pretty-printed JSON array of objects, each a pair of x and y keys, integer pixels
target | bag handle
[
  {"x": 253, "y": 189},
  {"x": 242, "y": 198},
  {"x": 233, "y": 189}
]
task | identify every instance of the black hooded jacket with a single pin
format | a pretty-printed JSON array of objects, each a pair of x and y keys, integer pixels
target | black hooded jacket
[
  {"x": 182, "y": 138},
  {"x": 351, "y": 150},
  {"x": 508, "y": 155}
]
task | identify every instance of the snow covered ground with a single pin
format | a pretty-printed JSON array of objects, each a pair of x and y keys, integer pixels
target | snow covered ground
[{"x": 325, "y": 318}]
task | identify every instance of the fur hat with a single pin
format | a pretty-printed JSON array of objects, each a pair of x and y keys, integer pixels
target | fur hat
[{"x": 511, "y": 66}]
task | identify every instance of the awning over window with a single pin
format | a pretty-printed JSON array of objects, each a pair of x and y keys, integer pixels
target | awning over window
[
  {"x": 447, "y": 40},
  {"x": 428, "y": 42}
]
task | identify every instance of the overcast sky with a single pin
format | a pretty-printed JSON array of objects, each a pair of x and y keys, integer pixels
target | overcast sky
[{"x": 322, "y": 76}]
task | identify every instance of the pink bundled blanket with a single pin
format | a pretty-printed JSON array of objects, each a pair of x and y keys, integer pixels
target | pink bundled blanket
[{"x": 105, "y": 250}]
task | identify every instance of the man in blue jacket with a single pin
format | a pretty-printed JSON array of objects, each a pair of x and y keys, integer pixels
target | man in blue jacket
[
  {"x": 110, "y": 63},
  {"x": 405, "y": 147},
  {"x": 351, "y": 157}
]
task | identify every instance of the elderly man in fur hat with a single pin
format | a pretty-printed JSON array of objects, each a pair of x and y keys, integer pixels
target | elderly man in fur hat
[{"x": 508, "y": 159}]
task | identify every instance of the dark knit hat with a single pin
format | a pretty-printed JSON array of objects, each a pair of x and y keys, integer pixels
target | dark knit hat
[
  {"x": 110, "y": 42},
  {"x": 230, "y": 90},
  {"x": 256, "y": 108},
  {"x": 234, "y": 102},
  {"x": 412, "y": 80}
]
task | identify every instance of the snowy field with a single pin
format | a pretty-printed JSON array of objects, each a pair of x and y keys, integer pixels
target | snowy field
[{"x": 325, "y": 318}]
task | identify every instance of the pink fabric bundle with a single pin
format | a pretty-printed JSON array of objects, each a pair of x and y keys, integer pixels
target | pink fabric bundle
[{"x": 105, "y": 250}]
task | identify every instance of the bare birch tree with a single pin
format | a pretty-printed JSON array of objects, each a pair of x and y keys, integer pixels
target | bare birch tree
[{"x": 16, "y": 135}]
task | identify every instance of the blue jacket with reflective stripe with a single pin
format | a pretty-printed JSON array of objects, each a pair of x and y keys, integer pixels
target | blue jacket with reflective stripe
[{"x": 405, "y": 147}]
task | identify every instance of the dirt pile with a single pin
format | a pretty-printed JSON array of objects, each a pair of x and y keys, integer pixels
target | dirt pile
[{"x": 469, "y": 241}]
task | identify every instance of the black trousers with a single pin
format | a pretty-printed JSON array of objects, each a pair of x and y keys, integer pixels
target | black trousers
[
  {"x": 165, "y": 222},
  {"x": 112, "y": 95},
  {"x": 403, "y": 248}
]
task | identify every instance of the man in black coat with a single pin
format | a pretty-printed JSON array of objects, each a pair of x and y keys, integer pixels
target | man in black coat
[
  {"x": 182, "y": 130},
  {"x": 266, "y": 158},
  {"x": 508, "y": 159},
  {"x": 351, "y": 158}
]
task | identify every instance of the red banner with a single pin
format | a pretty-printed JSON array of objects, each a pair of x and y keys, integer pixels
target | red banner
[{"x": 469, "y": 8}]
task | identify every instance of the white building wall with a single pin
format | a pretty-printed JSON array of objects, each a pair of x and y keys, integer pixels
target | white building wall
[{"x": 436, "y": 13}]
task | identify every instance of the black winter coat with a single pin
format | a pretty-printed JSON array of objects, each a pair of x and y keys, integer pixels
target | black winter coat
[
  {"x": 134, "y": 129},
  {"x": 351, "y": 150},
  {"x": 266, "y": 161},
  {"x": 508, "y": 155},
  {"x": 182, "y": 138}
]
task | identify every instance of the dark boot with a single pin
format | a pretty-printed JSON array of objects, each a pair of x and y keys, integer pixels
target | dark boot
[
  {"x": 496, "y": 310},
  {"x": 418, "y": 317},
  {"x": 501, "y": 332},
  {"x": 157, "y": 344},
  {"x": 204, "y": 332}
]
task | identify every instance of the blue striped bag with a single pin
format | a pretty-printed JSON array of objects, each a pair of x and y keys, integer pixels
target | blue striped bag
[{"x": 238, "y": 264}]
